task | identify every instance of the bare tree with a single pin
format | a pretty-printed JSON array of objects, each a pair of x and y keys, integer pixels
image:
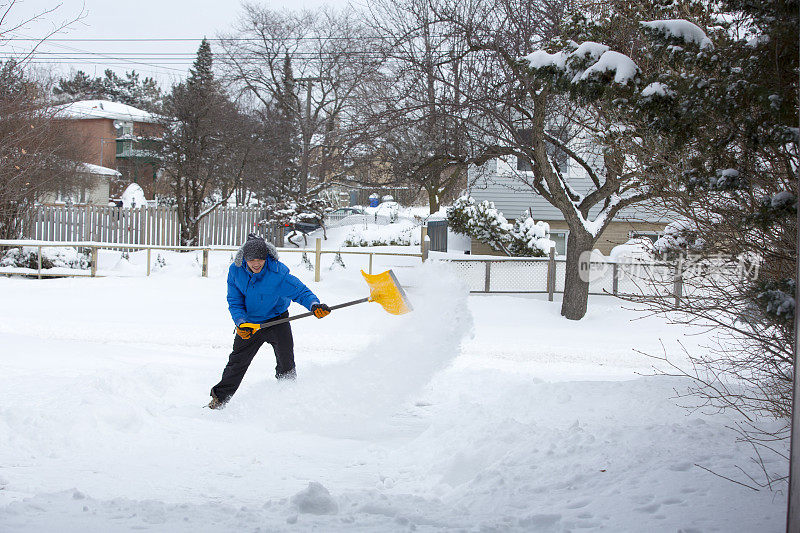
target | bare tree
[
  {"x": 307, "y": 71},
  {"x": 413, "y": 131},
  {"x": 37, "y": 152}
]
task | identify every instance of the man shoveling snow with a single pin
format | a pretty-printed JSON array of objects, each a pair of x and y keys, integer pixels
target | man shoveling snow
[{"x": 260, "y": 288}]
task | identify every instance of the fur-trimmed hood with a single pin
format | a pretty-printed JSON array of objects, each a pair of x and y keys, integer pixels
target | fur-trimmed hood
[{"x": 272, "y": 252}]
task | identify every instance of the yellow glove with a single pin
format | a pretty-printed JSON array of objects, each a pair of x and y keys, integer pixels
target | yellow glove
[
  {"x": 245, "y": 330},
  {"x": 320, "y": 310}
]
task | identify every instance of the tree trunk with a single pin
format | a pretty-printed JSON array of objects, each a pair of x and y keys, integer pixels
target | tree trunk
[
  {"x": 433, "y": 200},
  {"x": 576, "y": 289}
]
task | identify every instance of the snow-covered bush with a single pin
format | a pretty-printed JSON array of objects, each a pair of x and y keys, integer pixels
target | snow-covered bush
[
  {"x": 529, "y": 238},
  {"x": 481, "y": 221},
  {"x": 61, "y": 257}
]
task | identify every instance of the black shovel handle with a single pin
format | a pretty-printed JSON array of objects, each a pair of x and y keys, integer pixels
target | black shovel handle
[{"x": 303, "y": 315}]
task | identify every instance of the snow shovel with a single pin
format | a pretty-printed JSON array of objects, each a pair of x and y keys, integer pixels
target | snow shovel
[{"x": 383, "y": 289}]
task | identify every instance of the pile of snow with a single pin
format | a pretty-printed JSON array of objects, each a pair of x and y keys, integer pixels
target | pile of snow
[
  {"x": 315, "y": 499},
  {"x": 401, "y": 233},
  {"x": 133, "y": 196},
  {"x": 636, "y": 249}
]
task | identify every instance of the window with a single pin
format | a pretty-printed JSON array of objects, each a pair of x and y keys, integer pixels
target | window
[
  {"x": 123, "y": 129},
  {"x": 560, "y": 238},
  {"x": 652, "y": 235}
]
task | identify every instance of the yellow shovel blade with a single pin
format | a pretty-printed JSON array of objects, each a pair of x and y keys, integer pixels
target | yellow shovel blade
[{"x": 385, "y": 290}]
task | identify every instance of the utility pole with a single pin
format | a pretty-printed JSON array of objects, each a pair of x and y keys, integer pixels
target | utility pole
[
  {"x": 793, "y": 507},
  {"x": 307, "y": 132}
]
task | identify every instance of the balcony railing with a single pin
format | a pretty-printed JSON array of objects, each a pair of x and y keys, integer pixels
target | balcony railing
[{"x": 143, "y": 150}]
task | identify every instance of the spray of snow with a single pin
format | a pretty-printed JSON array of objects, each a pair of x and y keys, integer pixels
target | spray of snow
[{"x": 360, "y": 394}]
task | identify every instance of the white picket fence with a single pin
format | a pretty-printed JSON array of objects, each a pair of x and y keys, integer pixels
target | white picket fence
[{"x": 157, "y": 226}]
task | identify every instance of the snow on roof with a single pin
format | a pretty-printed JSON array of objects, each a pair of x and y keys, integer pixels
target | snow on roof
[
  {"x": 682, "y": 29},
  {"x": 97, "y": 169},
  {"x": 88, "y": 109}
]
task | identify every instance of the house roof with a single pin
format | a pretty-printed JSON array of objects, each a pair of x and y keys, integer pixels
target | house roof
[
  {"x": 91, "y": 109},
  {"x": 500, "y": 183},
  {"x": 97, "y": 169}
]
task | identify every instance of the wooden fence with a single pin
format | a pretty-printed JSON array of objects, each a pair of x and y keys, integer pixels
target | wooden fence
[
  {"x": 94, "y": 247},
  {"x": 155, "y": 226}
]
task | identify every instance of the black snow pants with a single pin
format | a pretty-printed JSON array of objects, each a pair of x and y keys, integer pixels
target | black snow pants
[{"x": 244, "y": 350}]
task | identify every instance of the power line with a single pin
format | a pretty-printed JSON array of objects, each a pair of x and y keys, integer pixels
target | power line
[
  {"x": 196, "y": 39},
  {"x": 98, "y": 54}
]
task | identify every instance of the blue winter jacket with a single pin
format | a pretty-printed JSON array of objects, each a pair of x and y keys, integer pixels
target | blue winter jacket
[{"x": 257, "y": 298}]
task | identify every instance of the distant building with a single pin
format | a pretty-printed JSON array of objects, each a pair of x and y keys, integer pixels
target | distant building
[
  {"x": 91, "y": 188},
  {"x": 500, "y": 181},
  {"x": 119, "y": 137}
]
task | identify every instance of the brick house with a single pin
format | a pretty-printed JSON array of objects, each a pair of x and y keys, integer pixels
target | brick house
[
  {"x": 498, "y": 181},
  {"x": 116, "y": 136}
]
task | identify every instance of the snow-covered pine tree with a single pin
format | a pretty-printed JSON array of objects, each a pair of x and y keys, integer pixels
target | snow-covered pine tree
[
  {"x": 205, "y": 146},
  {"x": 714, "y": 110}
]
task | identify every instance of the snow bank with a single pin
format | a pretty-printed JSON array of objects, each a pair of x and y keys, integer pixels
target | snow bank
[{"x": 637, "y": 249}]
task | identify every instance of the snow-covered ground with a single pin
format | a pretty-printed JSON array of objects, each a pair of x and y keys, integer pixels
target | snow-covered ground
[{"x": 473, "y": 413}]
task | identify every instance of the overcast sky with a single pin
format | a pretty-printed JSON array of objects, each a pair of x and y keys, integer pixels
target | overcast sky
[{"x": 131, "y": 19}]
